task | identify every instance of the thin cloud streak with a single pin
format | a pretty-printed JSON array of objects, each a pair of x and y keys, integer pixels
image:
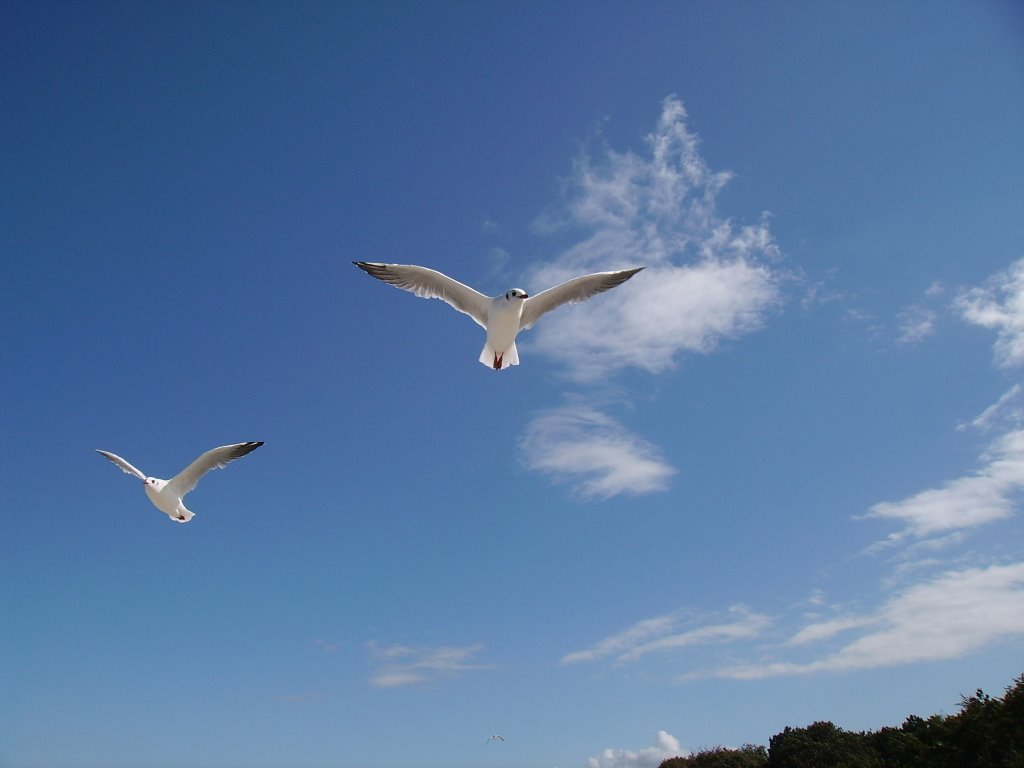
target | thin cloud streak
[
  {"x": 623, "y": 641},
  {"x": 966, "y": 502},
  {"x": 598, "y": 455},
  {"x": 954, "y": 614},
  {"x": 404, "y": 665},
  {"x": 661, "y": 634},
  {"x": 999, "y": 411},
  {"x": 745, "y": 629}
]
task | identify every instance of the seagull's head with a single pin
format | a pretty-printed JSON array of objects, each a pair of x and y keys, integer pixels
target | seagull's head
[
  {"x": 516, "y": 293},
  {"x": 150, "y": 482}
]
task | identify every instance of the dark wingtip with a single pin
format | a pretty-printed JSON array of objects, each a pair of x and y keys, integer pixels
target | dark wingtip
[
  {"x": 246, "y": 448},
  {"x": 374, "y": 268}
]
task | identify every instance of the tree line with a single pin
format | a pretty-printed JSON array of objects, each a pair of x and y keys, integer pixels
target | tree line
[{"x": 987, "y": 732}]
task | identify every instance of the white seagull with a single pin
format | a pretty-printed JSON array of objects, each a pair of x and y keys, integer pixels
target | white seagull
[
  {"x": 503, "y": 317},
  {"x": 168, "y": 495},
  {"x": 495, "y": 737}
]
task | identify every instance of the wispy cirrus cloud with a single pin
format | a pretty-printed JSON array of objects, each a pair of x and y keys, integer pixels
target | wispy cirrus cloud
[
  {"x": 405, "y": 665},
  {"x": 954, "y": 614},
  {"x": 919, "y": 321},
  {"x": 672, "y": 632},
  {"x": 707, "y": 278},
  {"x": 999, "y": 305},
  {"x": 916, "y": 323},
  {"x": 640, "y": 633},
  {"x": 966, "y": 502},
  {"x": 1002, "y": 411},
  {"x": 598, "y": 455}
]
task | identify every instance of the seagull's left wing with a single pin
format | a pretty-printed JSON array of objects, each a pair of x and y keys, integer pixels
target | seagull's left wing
[
  {"x": 576, "y": 290},
  {"x": 431, "y": 284},
  {"x": 124, "y": 465},
  {"x": 216, "y": 458}
]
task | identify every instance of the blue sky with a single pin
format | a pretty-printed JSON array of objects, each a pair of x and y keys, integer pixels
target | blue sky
[{"x": 775, "y": 478}]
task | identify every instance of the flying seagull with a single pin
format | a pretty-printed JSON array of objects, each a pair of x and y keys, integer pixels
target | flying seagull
[
  {"x": 503, "y": 317},
  {"x": 168, "y": 495},
  {"x": 495, "y": 737}
]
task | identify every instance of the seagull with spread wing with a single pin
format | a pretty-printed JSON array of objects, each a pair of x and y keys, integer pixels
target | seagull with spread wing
[
  {"x": 503, "y": 317},
  {"x": 168, "y": 495}
]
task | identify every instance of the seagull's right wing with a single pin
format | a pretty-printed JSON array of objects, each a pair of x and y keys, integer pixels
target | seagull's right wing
[
  {"x": 215, "y": 458},
  {"x": 431, "y": 284},
  {"x": 572, "y": 292},
  {"x": 124, "y": 465}
]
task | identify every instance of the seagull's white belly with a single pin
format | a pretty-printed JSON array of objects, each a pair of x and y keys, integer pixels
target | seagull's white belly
[
  {"x": 503, "y": 323},
  {"x": 163, "y": 500}
]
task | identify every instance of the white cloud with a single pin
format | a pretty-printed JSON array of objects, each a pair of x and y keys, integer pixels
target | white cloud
[
  {"x": 999, "y": 305},
  {"x": 636, "y": 635},
  {"x": 746, "y": 626},
  {"x": 916, "y": 324},
  {"x": 919, "y": 321},
  {"x": 707, "y": 279},
  {"x": 951, "y": 616},
  {"x": 1001, "y": 409},
  {"x": 665, "y": 746},
  {"x": 824, "y": 630},
  {"x": 404, "y": 665},
  {"x": 594, "y": 452},
  {"x": 966, "y": 502},
  {"x": 666, "y": 633}
]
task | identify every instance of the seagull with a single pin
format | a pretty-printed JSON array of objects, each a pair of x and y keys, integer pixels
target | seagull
[
  {"x": 503, "y": 317},
  {"x": 495, "y": 737},
  {"x": 168, "y": 495}
]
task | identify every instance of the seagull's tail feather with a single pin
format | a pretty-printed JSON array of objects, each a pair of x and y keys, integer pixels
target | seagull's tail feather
[
  {"x": 492, "y": 359},
  {"x": 182, "y": 515}
]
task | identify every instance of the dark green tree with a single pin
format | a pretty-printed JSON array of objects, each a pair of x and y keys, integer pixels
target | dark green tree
[
  {"x": 1010, "y": 727},
  {"x": 821, "y": 745},
  {"x": 747, "y": 756},
  {"x": 897, "y": 748},
  {"x": 987, "y": 732}
]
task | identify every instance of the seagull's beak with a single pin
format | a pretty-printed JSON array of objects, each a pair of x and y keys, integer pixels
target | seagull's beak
[{"x": 526, "y": 295}]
